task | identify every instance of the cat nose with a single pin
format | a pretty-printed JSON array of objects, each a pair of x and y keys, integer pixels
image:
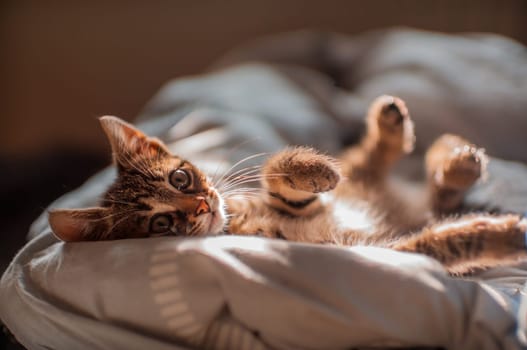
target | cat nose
[{"x": 203, "y": 207}]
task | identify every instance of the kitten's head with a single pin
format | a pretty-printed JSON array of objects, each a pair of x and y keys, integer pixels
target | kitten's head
[{"x": 155, "y": 193}]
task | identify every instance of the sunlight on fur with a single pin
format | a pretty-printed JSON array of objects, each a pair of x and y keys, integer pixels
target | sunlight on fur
[{"x": 304, "y": 194}]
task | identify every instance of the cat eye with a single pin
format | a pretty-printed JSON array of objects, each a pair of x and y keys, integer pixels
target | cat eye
[
  {"x": 180, "y": 179},
  {"x": 160, "y": 223}
]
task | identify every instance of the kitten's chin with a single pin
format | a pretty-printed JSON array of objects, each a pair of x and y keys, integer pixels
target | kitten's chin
[
  {"x": 216, "y": 219},
  {"x": 216, "y": 223}
]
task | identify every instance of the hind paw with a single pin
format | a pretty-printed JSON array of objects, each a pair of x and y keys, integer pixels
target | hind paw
[
  {"x": 390, "y": 122},
  {"x": 462, "y": 168}
]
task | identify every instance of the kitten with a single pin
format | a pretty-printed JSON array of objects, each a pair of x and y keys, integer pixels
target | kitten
[{"x": 305, "y": 196}]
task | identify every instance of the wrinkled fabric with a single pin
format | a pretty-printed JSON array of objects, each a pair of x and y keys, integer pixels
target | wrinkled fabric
[{"x": 246, "y": 292}]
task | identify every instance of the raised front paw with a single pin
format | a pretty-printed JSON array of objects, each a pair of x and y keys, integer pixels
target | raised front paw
[
  {"x": 389, "y": 122},
  {"x": 301, "y": 169},
  {"x": 460, "y": 165}
]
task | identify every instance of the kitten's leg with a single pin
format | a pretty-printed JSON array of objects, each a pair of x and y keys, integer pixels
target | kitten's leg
[
  {"x": 291, "y": 181},
  {"x": 471, "y": 240},
  {"x": 453, "y": 165},
  {"x": 389, "y": 135},
  {"x": 293, "y": 178}
]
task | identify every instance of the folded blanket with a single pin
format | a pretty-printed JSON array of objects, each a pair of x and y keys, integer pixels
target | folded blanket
[{"x": 253, "y": 293}]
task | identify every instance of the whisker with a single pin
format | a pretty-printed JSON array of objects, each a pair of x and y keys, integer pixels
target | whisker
[
  {"x": 240, "y": 162},
  {"x": 249, "y": 172},
  {"x": 242, "y": 191},
  {"x": 249, "y": 179},
  {"x": 243, "y": 197},
  {"x": 244, "y": 177},
  {"x": 230, "y": 152},
  {"x": 245, "y": 170}
]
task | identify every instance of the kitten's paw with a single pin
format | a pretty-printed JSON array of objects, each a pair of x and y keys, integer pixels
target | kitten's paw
[
  {"x": 507, "y": 228},
  {"x": 301, "y": 169},
  {"x": 462, "y": 167},
  {"x": 389, "y": 121}
]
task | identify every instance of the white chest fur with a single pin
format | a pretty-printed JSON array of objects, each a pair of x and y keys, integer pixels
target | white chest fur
[{"x": 339, "y": 216}]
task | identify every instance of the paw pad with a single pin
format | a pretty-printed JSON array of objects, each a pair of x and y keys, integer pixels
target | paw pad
[
  {"x": 463, "y": 167},
  {"x": 389, "y": 119},
  {"x": 391, "y": 115}
]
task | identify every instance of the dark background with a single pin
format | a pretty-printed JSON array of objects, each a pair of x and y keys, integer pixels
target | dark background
[{"x": 64, "y": 63}]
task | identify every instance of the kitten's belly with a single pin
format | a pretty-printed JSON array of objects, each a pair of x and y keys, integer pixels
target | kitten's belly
[{"x": 340, "y": 220}]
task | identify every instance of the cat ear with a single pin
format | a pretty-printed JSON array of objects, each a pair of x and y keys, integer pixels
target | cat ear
[
  {"x": 73, "y": 225},
  {"x": 127, "y": 141}
]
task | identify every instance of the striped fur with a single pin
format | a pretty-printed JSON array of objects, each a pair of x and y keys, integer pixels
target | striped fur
[{"x": 306, "y": 196}]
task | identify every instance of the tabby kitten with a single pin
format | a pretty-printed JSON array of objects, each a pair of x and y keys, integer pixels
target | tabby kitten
[{"x": 305, "y": 196}]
